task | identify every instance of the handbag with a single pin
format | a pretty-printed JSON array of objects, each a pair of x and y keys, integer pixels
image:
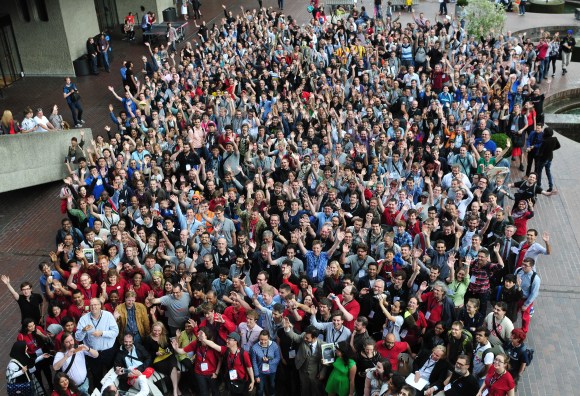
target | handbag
[{"x": 20, "y": 388}]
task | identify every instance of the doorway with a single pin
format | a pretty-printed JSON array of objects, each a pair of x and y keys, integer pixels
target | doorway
[
  {"x": 10, "y": 64},
  {"x": 107, "y": 15}
]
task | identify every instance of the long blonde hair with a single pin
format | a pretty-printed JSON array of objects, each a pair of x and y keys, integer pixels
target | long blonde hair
[
  {"x": 162, "y": 341},
  {"x": 7, "y": 117}
]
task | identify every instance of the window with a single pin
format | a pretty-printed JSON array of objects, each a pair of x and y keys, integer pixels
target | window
[
  {"x": 23, "y": 10},
  {"x": 41, "y": 10}
]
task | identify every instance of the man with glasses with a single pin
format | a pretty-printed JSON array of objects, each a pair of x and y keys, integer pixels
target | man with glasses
[
  {"x": 460, "y": 382},
  {"x": 398, "y": 289},
  {"x": 177, "y": 307},
  {"x": 30, "y": 304},
  {"x": 98, "y": 330}
]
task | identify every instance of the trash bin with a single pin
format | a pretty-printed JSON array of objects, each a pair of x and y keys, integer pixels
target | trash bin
[
  {"x": 81, "y": 66},
  {"x": 170, "y": 14}
]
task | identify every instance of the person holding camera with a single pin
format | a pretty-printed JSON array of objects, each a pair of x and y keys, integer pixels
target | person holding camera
[
  {"x": 73, "y": 100},
  {"x": 71, "y": 361}
]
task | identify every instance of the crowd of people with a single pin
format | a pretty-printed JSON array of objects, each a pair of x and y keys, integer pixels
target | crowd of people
[{"x": 336, "y": 208}]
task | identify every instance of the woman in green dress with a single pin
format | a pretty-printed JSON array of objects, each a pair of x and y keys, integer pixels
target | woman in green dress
[{"x": 341, "y": 379}]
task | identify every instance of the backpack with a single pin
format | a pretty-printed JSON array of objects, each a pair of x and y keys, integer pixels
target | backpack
[{"x": 530, "y": 355}]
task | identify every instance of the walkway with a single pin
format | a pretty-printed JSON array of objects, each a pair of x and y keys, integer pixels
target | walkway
[{"x": 30, "y": 217}]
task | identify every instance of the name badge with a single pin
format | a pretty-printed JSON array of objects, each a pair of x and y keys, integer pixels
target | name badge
[
  {"x": 291, "y": 354},
  {"x": 371, "y": 314},
  {"x": 472, "y": 279},
  {"x": 233, "y": 375},
  {"x": 428, "y": 315},
  {"x": 203, "y": 367},
  {"x": 447, "y": 387},
  {"x": 361, "y": 273},
  {"x": 187, "y": 167},
  {"x": 315, "y": 273},
  {"x": 265, "y": 367}
]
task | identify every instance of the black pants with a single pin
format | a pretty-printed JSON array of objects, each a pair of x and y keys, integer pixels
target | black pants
[
  {"x": 44, "y": 367},
  {"x": 100, "y": 365},
  {"x": 77, "y": 111},
  {"x": 531, "y": 160}
]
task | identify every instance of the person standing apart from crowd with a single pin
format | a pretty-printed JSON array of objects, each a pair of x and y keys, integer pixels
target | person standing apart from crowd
[
  {"x": 567, "y": 45},
  {"x": 103, "y": 48},
  {"x": 73, "y": 100},
  {"x": 93, "y": 54}
]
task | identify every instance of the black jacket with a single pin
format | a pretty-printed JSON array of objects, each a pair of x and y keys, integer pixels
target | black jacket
[{"x": 143, "y": 357}]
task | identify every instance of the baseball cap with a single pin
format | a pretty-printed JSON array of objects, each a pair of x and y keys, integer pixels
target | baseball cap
[
  {"x": 235, "y": 336},
  {"x": 570, "y": 31}
]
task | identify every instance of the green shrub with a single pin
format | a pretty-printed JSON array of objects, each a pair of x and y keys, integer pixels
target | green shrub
[
  {"x": 501, "y": 140},
  {"x": 484, "y": 17}
]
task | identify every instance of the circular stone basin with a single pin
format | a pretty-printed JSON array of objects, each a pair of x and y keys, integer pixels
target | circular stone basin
[
  {"x": 574, "y": 111},
  {"x": 546, "y": 7}
]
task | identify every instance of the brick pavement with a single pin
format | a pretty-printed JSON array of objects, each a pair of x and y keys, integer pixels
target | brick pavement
[{"x": 29, "y": 218}]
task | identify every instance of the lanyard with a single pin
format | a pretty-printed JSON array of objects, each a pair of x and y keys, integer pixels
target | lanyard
[
  {"x": 334, "y": 339},
  {"x": 265, "y": 351},
  {"x": 232, "y": 361},
  {"x": 98, "y": 321},
  {"x": 494, "y": 379}
]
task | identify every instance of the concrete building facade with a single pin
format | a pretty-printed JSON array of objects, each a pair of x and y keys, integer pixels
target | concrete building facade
[{"x": 50, "y": 35}]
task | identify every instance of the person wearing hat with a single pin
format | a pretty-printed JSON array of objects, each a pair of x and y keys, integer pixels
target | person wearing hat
[
  {"x": 568, "y": 44},
  {"x": 240, "y": 375}
]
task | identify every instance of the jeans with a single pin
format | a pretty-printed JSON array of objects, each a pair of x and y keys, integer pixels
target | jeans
[
  {"x": 84, "y": 387},
  {"x": 522, "y": 8},
  {"x": 76, "y": 110},
  {"x": 205, "y": 384},
  {"x": 443, "y": 7},
  {"x": 281, "y": 4},
  {"x": 267, "y": 383},
  {"x": 540, "y": 165},
  {"x": 543, "y": 68},
  {"x": 105, "y": 60}
]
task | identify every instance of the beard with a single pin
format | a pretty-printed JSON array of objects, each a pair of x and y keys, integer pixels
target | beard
[{"x": 458, "y": 371}]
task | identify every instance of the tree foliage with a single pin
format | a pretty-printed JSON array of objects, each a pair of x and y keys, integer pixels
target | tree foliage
[{"x": 483, "y": 17}]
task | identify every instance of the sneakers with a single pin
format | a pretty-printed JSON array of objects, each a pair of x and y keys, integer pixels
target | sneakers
[
  {"x": 81, "y": 121},
  {"x": 549, "y": 189},
  {"x": 521, "y": 168},
  {"x": 78, "y": 125}
]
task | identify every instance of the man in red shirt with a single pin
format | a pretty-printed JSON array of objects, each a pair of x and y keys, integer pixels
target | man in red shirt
[
  {"x": 435, "y": 304},
  {"x": 349, "y": 307},
  {"x": 237, "y": 363},
  {"x": 391, "y": 214},
  {"x": 79, "y": 306},
  {"x": 391, "y": 349}
]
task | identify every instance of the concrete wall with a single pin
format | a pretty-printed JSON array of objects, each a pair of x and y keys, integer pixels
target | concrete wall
[
  {"x": 43, "y": 46},
  {"x": 157, "y": 6},
  {"x": 35, "y": 158},
  {"x": 81, "y": 23}
]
